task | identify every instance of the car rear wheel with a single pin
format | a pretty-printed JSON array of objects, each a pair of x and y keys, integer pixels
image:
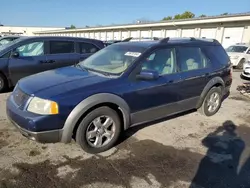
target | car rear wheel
[
  {"x": 99, "y": 130},
  {"x": 3, "y": 83},
  {"x": 212, "y": 102},
  {"x": 241, "y": 63}
]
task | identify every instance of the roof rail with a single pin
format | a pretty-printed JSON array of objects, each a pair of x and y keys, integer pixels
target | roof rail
[{"x": 164, "y": 40}]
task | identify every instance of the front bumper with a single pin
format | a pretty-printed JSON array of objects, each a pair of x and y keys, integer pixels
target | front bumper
[
  {"x": 42, "y": 137},
  {"x": 30, "y": 124}
]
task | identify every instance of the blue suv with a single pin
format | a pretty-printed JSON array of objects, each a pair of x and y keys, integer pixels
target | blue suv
[
  {"x": 30, "y": 55},
  {"x": 122, "y": 85}
]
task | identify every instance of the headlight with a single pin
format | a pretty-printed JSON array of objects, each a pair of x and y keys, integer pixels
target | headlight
[
  {"x": 234, "y": 57},
  {"x": 42, "y": 106}
]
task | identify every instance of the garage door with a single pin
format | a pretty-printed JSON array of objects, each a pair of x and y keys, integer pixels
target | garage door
[
  {"x": 91, "y": 35},
  {"x": 208, "y": 33},
  {"x": 232, "y": 35},
  {"x": 103, "y": 36},
  {"x": 145, "y": 34},
  {"x": 97, "y": 35},
  {"x": 187, "y": 33},
  {"x": 134, "y": 34},
  {"x": 109, "y": 36},
  {"x": 124, "y": 34},
  {"x": 157, "y": 33},
  {"x": 171, "y": 33},
  {"x": 117, "y": 35}
]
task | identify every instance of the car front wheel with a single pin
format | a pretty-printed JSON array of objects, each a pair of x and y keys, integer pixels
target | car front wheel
[
  {"x": 212, "y": 102},
  {"x": 3, "y": 83},
  {"x": 99, "y": 130}
]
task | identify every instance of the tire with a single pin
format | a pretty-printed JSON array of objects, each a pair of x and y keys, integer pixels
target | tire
[
  {"x": 3, "y": 83},
  {"x": 88, "y": 127},
  {"x": 240, "y": 64},
  {"x": 204, "y": 109}
]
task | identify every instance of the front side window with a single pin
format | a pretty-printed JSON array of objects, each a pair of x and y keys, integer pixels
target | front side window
[
  {"x": 238, "y": 49},
  {"x": 31, "y": 49},
  {"x": 163, "y": 61},
  {"x": 191, "y": 58},
  {"x": 60, "y": 47},
  {"x": 86, "y": 48},
  {"x": 113, "y": 59}
]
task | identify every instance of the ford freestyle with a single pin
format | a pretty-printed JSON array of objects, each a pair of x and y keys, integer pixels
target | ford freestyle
[
  {"x": 30, "y": 55},
  {"x": 122, "y": 85}
]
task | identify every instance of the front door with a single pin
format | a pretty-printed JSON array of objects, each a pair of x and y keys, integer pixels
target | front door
[
  {"x": 154, "y": 99},
  {"x": 28, "y": 60}
]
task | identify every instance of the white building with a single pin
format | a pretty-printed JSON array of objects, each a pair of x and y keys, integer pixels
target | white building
[
  {"x": 25, "y": 31},
  {"x": 227, "y": 29}
]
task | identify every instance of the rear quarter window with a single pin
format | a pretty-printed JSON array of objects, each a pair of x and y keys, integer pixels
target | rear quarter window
[{"x": 217, "y": 55}]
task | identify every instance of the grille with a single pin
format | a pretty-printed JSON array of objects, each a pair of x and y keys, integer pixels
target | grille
[
  {"x": 246, "y": 73},
  {"x": 20, "y": 97}
]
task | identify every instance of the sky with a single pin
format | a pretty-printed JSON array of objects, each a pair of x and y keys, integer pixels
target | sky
[{"x": 63, "y": 13}]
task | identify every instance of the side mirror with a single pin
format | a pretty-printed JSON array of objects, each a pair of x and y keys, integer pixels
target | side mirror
[
  {"x": 248, "y": 52},
  {"x": 15, "y": 54},
  {"x": 148, "y": 75}
]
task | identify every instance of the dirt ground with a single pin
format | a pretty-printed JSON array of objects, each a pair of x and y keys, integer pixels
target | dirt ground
[{"x": 189, "y": 150}]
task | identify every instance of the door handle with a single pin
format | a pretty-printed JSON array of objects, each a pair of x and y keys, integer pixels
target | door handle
[{"x": 50, "y": 61}]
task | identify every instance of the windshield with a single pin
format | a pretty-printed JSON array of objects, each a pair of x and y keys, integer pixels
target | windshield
[
  {"x": 114, "y": 59},
  {"x": 10, "y": 43},
  {"x": 239, "y": 49}
]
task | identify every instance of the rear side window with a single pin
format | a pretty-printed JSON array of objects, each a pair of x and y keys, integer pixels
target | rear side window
[
  {"x": 217, "y": 54},
  {"x": 61, "y": 47},
  {"x": 191, "y": 58},
  {"x": 86, "y": 48}
]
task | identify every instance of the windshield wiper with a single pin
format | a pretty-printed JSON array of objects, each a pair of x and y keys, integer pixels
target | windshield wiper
[{"x": 79, "y": 66}]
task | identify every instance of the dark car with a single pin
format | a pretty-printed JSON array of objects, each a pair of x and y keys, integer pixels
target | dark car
[
  {"x": 30, "y": 55},
  {"x": 7, "y": 39},
  {"x": 122, "y": 85}
]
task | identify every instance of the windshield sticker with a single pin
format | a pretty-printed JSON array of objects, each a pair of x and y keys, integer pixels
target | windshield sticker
[{"x": 133, "y": 54}]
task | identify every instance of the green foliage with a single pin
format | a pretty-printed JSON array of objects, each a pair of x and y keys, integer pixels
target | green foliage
[
  {"x": 72, "y": 27},
  {"x": 202, "y": 16}
]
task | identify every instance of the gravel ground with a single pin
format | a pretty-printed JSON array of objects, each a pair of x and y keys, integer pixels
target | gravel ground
[{"x": 189, "y": 150}]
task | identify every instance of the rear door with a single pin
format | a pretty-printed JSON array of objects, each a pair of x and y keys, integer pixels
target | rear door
[
  {"x": 61, "y": 53},
  {"x": 86, "y": 49},
  {"x": 195, "y": 70},
  {"x": 30, "y": 60}
]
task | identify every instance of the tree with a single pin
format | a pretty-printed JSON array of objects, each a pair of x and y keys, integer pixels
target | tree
[
  {"x": 167, "y": 18},
  {"x": 185, "y": 15},
  {"x": 72, "y": 27},
  {"x": 224, "y": 14},
  {"x": 202, "y": 16}
]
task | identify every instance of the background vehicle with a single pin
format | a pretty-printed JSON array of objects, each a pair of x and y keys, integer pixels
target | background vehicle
[
  {"x": 7, "y": 39},
  {"x": 239, "y": 54},
  {"x": 110, "y": 91},
  {"x": 246, "y": 70},
  {"x": 31, "y": 55}
]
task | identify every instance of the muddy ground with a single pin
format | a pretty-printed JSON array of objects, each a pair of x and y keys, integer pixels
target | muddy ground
[{"x": 188, "y": 150}]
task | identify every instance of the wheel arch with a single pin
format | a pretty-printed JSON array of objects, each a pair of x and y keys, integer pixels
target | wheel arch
[
  {"x": 215, "y": 82},
  {"x": 87, "y": 105}
]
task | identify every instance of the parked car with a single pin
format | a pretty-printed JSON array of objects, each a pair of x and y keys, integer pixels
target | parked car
[
  {"x": 7, "y": 39},
  {"x": 122, "y": 85},
  {"x": 30, "y": 55},
  {"x": 239, "y": 54},
  {"x": 246, "y": 70}
]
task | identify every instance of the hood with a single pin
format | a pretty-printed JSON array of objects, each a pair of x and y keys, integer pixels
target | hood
[
  {"x": 59, "y": 81},
  {"x": 235, "y": 54}
]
